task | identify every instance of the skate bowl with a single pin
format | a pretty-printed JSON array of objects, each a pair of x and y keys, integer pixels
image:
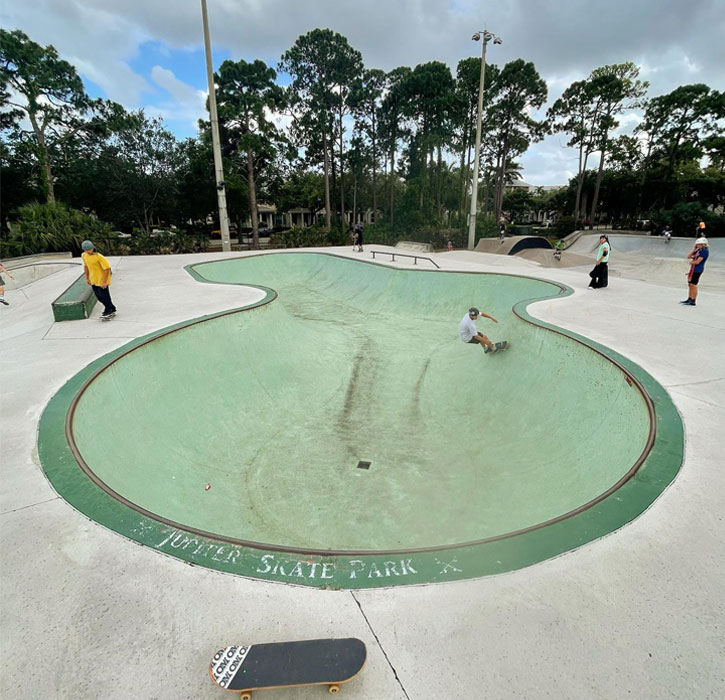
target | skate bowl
[{"x": 338, "y": 433}]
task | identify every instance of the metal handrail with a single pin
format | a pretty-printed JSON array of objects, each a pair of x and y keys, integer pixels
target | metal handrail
[{"x": 405, "y": 255}]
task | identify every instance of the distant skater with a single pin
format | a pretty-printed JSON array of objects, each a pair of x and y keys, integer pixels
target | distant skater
[
  {"x": 2, "y": 284},
  {"x": 98, "y": 274},
  {"x": 470, "y": 334},
  {"x": 359, "y": 229},
  {"x": 697, "y": 257},
  {"x": 600, "y": 273}
]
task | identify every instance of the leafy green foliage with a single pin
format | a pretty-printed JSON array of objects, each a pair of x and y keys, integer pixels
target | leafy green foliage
[
  {"x": 52, "y": 227},
  {"x": 564, "y": 226}
]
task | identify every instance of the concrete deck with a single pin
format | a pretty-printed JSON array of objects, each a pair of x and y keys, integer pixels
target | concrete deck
[{"x": 639, "y": 613}]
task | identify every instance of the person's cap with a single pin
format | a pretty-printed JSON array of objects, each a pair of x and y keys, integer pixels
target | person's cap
[
  {"x": 473, "y": 311},
  {"x": 701, "y": 241},
  {"x": 87, "y": 245}
]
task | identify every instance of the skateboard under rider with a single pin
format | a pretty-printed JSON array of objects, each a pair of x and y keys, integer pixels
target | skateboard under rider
[{"x": 331, "y": 662}]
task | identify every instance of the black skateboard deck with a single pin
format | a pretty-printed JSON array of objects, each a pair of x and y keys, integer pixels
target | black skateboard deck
[{"x": 331, "y": 662}]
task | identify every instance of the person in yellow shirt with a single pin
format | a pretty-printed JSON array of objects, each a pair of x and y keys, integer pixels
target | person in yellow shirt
[{"x": 98, "y": 274}]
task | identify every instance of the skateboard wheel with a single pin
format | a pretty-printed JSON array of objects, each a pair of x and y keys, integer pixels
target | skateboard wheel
[
  {"x": 334, "y": 689},
  {"x": 246, "y": 696}
]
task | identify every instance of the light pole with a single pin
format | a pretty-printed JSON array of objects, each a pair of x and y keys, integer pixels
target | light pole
[
  {"x": 486, "y": 36},
  {"x": 218, "y": 165}
]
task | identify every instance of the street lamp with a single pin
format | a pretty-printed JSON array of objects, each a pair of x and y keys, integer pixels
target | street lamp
[
  {"x": 216, "y": 147},
  {"x": 486, "y": 36}
]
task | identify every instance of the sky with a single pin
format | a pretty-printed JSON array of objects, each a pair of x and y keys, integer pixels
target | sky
[{"x": 150, "y": 53}]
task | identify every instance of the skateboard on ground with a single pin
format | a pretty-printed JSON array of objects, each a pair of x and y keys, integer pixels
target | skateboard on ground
[
  {"x": 329, "y": 662},
  {"x": 107, "y": 318}
]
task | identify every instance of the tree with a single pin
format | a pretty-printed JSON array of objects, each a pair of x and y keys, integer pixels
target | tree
[
  {"x": 678, "y": 127},
  {"x": 324, "y": 69},
  {"x": 618, "y": 89},
  {"x": 366, "y": 101},
  {"x": 47, "y": 90},
  {"x": 575, "y": 113},
  {"x": 428, "y": 104},
  {"x": 245, "y": 92},
  {"x": 465, "y": 114},
  {"x": 391, "y": 124},
  {"x": 508, "y": 122},
  {"x": 144, "y": 158}
]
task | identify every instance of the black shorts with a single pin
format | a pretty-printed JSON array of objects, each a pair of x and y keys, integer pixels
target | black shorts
[
  {"x": 474, "y": 339},
  {"x": 695, "y": 278}
]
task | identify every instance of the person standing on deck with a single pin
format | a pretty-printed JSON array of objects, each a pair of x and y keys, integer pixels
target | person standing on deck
[{"x": 98, "y": 274}]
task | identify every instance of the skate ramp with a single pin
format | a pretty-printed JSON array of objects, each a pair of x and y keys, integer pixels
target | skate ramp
[
  {"x": 511, "y": 245},
  {"x": 546, "y": 258},
  {"x": 654, "y": 246}
]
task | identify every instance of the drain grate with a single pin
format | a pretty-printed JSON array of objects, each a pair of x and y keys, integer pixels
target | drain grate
[{"x": 363, "y": 465}]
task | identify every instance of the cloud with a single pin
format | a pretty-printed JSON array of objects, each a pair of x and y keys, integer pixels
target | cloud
[{"x": 188, "y": 104}]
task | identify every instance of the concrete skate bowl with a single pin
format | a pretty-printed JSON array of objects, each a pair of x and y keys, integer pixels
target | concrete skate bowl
[
  {"x": 339, "y": 433},
  {"x": 512, "y": 245}
]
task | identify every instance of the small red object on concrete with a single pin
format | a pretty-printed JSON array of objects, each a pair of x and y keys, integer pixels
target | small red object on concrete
[{"x": 207, "y": 487}]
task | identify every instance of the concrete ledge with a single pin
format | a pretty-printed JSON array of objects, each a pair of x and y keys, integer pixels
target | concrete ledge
[
  {"x": 74, "y": 303},
  {"x": 415, "y": 245},
  {"x": 26, "y": 274}
]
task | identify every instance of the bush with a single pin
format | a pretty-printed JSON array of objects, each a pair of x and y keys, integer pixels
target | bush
[
  {"x": 684, "y": 217},
  {"x": 51, "y": 228},
  {"x": 310, "y": 237},
  {"x": 564, "y": 226}
]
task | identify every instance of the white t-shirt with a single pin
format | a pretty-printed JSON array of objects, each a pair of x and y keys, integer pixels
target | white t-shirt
[{"x": 467, "y": 329}]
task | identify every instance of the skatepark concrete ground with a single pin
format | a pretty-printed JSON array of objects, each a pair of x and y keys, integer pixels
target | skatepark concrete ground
[{"x": 638, "y": 613}]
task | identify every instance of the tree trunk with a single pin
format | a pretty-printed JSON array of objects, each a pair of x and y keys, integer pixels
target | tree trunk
[
  {"x": 44, "y": 158},
  {"x": 599, "y": 180},
  {"x": 354, "y": 201},
  {"x": 439, "y": 194},
  {"x": 375, "y": 171},
  {"x": 466, "y": 203},
  {"x": 253, "y": 199},
  {"x": 328, "y": 223},
  {"x": 392, "y": 186},
  {"x": 501, "y": 180},
  {"x": 580, "y": 184},
  {"x": 342, "y": 176}
]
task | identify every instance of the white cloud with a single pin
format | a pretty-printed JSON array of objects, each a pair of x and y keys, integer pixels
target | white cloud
[{"x": 188, "y": 104}]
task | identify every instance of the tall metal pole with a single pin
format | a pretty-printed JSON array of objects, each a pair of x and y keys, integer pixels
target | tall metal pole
[
  {"x": 216, "y": 147},
  {"x": 474, "y": 187}
]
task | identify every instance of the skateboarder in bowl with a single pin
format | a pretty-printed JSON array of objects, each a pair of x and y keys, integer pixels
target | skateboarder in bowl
[{"x": 470, "y": 334}]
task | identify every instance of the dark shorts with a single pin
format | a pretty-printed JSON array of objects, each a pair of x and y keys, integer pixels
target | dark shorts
[
  {"x": 2, "y": 282},
  {"x": 695, "y": 278},
  {"x": 473, "y": 340}
]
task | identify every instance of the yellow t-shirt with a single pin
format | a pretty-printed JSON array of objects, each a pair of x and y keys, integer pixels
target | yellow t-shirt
[{"x": 97, "y": 265}]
